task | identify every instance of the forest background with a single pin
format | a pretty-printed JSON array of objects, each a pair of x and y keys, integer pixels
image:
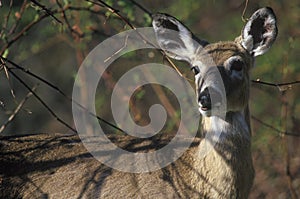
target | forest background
[{"x": 50, "y": 39}]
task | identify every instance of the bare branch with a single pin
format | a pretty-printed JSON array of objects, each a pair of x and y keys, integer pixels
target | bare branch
[
  {"x": 8, "y": 79},
  {"x": 41, "y": 101},
  {"x": 244, "y": 12},
  {"x": 20, "y": 14},
  {"x": 279, "y": 132},
  {"x": 71, "y": 29},
  {"x": 114, "y": 11},
  {"x": 6, "y": 19},
  {"x": 281, "y": 86},
  {"x": 22, "y": 32},
  {"x": 15, "y": 112},
  {"x": 45, "y": 9},
  {"x": 140, "y": 7},
  {"x": 59, "y": 91}
]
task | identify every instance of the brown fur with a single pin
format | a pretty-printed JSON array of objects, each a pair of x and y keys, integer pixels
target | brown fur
[
  {"x": 56, "y": 166},
  {"x": 59, "y": 166}
]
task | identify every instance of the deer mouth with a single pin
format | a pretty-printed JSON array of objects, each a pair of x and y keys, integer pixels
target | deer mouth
[
  {"x": 205, "y": 111},
  {"x": 204, "y": 108},
  {"x": 208, "y": 111}
]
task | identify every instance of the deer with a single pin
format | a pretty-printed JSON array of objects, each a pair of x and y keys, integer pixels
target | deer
[{"x": 59, "y": 166}]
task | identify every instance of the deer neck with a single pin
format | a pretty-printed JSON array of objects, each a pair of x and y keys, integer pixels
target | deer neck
[
  {"x": 234, "y": 125},
  {"x": 224, "y": 157},
  {"x": 229, "y": 138}
]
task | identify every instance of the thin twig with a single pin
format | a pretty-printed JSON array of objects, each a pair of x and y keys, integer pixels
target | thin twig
[
  {"x": 45, "y": 9},
  {"x": 42, "y": 101},
  {"x": 126, "y": 21},
  {"x": 32, "y": 24},
  {"x": 8, "y": 79},
  {"x": 140, "y": 7},
  {"x": 60, "y": 92},
  {"x": 17, "y": 109},
  {"x": 71, "y": 29},
  {"x": 281, "y": 86},
  {"x": 244, "y": 12},
  {"x": 112, "y": 10},
  {"x": 22, "y": 10},
  {"x": 175, "y": 67},
  {"x": 279, "y": 132},
  {"x": 6, "y": 18},
  {"x": 88, "y": 9},
  {"x": 22, "y": 32}
]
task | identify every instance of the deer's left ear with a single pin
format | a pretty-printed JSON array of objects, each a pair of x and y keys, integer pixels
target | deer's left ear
[{"x": 260, "y": 32}]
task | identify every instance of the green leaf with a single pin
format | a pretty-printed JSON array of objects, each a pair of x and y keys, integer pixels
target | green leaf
[{"x": 5, "y": 54}]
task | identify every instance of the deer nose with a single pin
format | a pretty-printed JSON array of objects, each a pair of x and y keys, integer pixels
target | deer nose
[{"x": 204, "y": 100}]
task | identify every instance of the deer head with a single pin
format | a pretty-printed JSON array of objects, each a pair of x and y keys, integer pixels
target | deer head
[{"x": 221, "y": 69}]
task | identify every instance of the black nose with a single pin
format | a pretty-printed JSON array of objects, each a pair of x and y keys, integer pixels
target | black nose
[{"x": 204, "y": 100}]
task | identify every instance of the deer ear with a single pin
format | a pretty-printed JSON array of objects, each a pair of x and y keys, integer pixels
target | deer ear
[
  {"x": 174, "y": 38},
  {"x": 260, "y": 31}
]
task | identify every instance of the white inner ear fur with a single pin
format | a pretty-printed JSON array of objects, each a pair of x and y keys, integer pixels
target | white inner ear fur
[
  {"x": 247, "y": 41},
  {"x": 259, "y": 48}
]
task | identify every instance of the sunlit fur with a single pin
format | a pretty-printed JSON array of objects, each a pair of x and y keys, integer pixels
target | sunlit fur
[
  {"x": 225, "y": 171},
  {"x": 216, "y": 166}
]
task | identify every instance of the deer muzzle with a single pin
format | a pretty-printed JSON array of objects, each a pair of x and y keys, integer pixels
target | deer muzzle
[{"x": 209, "y": 100}]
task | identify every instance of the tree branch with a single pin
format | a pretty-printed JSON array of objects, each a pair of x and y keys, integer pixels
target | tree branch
[
  {"x": 281, "y": 86},
  {"x": 140, "y": 7},
  {"x": 42, "y": 101},
  {"x": 46, "y": 10},
  {"x": 17, "y": 109},
  {"x": 279, "y": 132},
  {"x": 56, "y": 89}
]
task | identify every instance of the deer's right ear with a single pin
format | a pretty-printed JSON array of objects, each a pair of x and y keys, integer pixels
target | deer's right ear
[{"x": 174, "y": 38}]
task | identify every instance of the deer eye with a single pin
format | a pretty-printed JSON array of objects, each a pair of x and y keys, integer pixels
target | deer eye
[
  {"x": 237, "y": 65},
  {"x": 234, "y": 63},
  {"x": 195, "y": 70}
]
